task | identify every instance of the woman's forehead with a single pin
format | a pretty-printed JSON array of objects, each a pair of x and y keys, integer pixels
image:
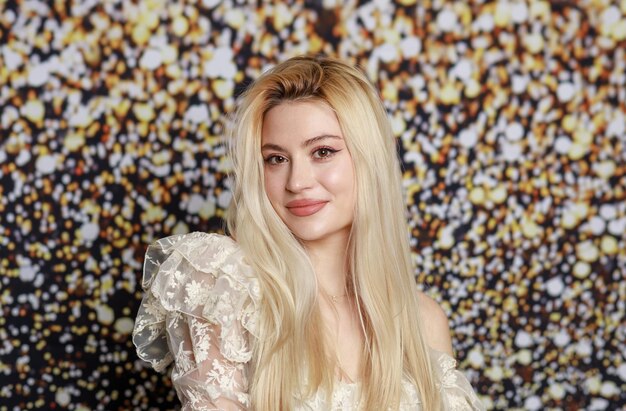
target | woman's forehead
[{"x": 301, "y": 121}]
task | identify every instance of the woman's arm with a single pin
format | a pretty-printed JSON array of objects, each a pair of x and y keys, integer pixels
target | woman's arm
[{"x": 196, "y": 315}]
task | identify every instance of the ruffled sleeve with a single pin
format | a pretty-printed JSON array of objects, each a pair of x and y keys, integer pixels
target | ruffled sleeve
[
  {"x": 198, "y": 313},
  {"x": 456, "y": 391}
]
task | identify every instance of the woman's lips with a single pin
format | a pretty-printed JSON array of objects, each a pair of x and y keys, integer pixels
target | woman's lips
[{"x": 303, "y": 208}]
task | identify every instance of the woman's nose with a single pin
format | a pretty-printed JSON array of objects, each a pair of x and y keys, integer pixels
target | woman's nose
[{"x": 301, "y": 176}]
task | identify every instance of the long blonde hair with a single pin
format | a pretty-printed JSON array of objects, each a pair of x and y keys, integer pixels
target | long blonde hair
[{"x": 290, "y": 359}]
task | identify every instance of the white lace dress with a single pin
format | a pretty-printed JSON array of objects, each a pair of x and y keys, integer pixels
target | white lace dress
[{"x": 199, "y": 312}]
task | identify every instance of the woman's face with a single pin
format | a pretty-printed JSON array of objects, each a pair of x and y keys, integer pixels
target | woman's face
[{"x": 309, "y": 178}]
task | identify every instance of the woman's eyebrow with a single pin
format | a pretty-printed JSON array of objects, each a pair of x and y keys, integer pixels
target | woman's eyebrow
[
  {"x": 314, "y": 140},
  {"x": 270, "y": 146},
  {"x": 307, "y": 143}
]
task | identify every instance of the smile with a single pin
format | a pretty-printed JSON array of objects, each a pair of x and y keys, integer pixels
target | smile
[{"x": 303, "y": 208}]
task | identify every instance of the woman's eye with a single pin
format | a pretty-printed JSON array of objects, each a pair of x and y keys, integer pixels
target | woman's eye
[
  {"x": 324, "y": 152},
  {"x": 273, "y": 160}
]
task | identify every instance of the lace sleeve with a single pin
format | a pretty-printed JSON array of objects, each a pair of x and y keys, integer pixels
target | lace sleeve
[
  {"x": 198, "y": 313},
  {"x": 456, "y": 392}
]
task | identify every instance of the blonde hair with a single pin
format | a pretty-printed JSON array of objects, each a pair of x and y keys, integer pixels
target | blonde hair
[{"x": 290, "y": 359}]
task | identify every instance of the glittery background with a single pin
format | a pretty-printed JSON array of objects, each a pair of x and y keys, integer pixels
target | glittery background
[{"x": 511, "y": 117}]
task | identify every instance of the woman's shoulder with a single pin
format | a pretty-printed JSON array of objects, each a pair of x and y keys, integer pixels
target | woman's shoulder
[
  {"x": 435, "y": 324},
  {"x": 456, "y": 390}
]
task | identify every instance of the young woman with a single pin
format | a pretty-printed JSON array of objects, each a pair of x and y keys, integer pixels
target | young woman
[{"x": 311, "y": 304}]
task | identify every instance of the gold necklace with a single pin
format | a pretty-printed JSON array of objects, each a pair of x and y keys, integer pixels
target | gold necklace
[
  {"x": 340, "y": 371},
  {"x": 334, "y": 298}
]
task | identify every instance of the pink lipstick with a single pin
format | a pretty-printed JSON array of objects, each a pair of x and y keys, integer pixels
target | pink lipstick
[{"x": 303, "y": 208}]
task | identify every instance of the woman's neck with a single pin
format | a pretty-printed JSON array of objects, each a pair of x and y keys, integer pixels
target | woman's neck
[
  {"x": 341, "y": 322},
  {"x": 330, "y": 262}
]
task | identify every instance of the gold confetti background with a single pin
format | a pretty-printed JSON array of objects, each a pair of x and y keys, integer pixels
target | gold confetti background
[{"x": 511, "y": 118}]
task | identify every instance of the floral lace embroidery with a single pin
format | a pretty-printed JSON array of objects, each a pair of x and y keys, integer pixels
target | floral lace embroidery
[
  {"x": 447, "y": 365},
  {"x": 184, "y": 363},
  {"x": 202, "y": 341},
  {"x": 200, "y": 311},
  {"x": 223, "y": 375}
]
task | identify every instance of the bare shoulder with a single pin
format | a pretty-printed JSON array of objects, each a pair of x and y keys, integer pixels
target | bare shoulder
[{"x": 435, "y": 324}]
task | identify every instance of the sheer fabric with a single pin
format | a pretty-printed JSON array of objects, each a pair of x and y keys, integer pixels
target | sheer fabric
[{"x": 199, "y": 315}]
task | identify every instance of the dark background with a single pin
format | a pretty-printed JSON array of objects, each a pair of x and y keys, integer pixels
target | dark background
[{"x": 510, "y": 117}]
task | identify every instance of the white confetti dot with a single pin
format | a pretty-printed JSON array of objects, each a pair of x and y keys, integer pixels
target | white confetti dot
[
  {"x": 476, "y": 358},
  {"x": 524, "y": 357},
  {"x": 195, "y": 203},
  {"x": 604, "y": 169},
  {"x": 519, "y": 84},
  {"x": 413, "y": 157},
  {"x": 610, "y": 16},
  {"x": 81, "y": 118},
  {"x": 587, "y": 251},
  {"x": 38, "y": 75},
  {"x": 221, "y": 64},
  {"x": 446, "y": 238},
  {"x": 223, "y": 200},
  {"x": 27, "y": 273},
  {"x": 533, "y": 403},
  {"x": 197, "y": 114},
  {"x": 485, "y": 23},
  {"x": 468, "y": 137},
  {"x": 593, "y": 383},
  {"x": 462, "y": 70},
  {"x": 557, "y": 391},
  {"x": 583, "y": 348},
  {"x": 12, "y": 60},
  {"x": 410, "y": 46},
  {"x": 105, "y": 314},
  {"x": 523, "y": 339},
  {"x": 162, "y": 170},
  {"x": 34, "y": 110},
  {"x": 621, "y": 371},
  {"x": 180, "y": 228},
  {"x": 23, "y": 157},
  {"x": 609, "y": 389},
  {"x": 562, "y": 338},
  {"x": 511, "y": 152},
  {"x": 9, "y": 115},
  {"x": 617, "y": 127},
  {"x": 387, "y": 53},
  {"x": 46, "y": 164},
  {"x": 495, "y": 373},
  {"x": 62, "y": 397},
  {"x": 211, "y": 3},
  {"x": 417, "y": 83},
  {"x": 598, "y": 404},
  {"x": 89, "y": 231},
  {"x": 565, "y": 92},
  {"x": 514, "y": 131},
  {"x": 562, "y": 145},
  {"x": 446, "y": 20},
  {"x": 151, "y": 59},
  {"x": 519, "y": 12},
  {"x": 608, "y": 211},
  {"x": 617, "y": 227},
  {"x": 597, "y": 225},
  {"x": 124, "y": 325},
  {"x": 555, "y": 286}
]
